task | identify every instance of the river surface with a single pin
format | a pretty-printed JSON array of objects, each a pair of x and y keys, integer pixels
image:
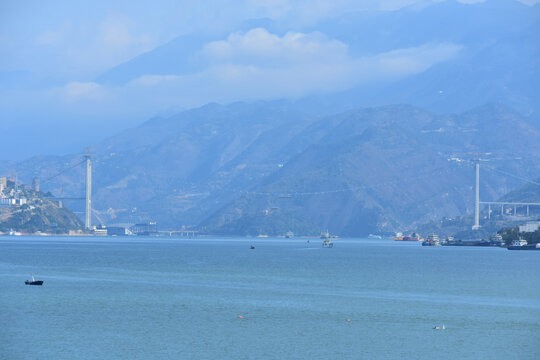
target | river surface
[{"x": 162, "y": 298}]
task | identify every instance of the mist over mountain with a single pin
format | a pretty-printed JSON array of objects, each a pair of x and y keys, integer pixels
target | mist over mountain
[{"x": 449, "y": 56}]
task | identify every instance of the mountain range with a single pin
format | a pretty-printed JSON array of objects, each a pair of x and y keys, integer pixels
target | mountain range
[
  {"x": 258, "y": 168},
  {"x": 379, "y": 153}
]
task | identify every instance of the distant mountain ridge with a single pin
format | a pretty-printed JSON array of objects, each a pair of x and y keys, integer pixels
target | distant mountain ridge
[
  {"x": 499, "y": 60},
  {"x": 245, "y": 167}
]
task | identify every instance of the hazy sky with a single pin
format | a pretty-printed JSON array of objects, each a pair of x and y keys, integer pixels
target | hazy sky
[
  {"x": 68, "y": 41},
  {"x": 51, "y": 53}
]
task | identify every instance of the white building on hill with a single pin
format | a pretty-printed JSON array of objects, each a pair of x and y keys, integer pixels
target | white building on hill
[{"x": 530, "y": 226}]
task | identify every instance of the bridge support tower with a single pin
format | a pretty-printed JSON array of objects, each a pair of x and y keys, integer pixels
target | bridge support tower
[
  {"x": 88, "y": 213},
  {"x": 476, "y": 225}
]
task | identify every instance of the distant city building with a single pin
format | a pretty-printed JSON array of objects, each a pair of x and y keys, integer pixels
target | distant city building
[
  {"x": 12, "y": 201},
  {"x": 20, "y": 201},
  {"x": 35, "y": 184},
  {"x": 3, "y": 183},
  {"x": 531, "y": 226},
  {"x": 7, "y": 201}
]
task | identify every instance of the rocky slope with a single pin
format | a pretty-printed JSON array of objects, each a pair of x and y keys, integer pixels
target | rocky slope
[{"x": 38, "y": 215}]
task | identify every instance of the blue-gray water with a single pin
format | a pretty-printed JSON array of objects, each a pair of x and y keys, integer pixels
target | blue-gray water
[{"x": 155, "y": 298}]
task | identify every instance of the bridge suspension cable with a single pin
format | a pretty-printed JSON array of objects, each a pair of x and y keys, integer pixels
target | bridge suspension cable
[
  {"x": 290, "y": 194},
  {"x": 62, "y": 171},
  {"x": 511, "y": 175}
]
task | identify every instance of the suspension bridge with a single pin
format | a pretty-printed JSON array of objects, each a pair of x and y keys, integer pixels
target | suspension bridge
[
  {"x": 502, "y": 204},
  {"x": 87, "y": 159}
]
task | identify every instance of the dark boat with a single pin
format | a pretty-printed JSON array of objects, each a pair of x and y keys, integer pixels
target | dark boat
[
  {"x": 522, "y": 245},
  {"x": 33, "y": 281},
  {"x": 252, "y": 247}
]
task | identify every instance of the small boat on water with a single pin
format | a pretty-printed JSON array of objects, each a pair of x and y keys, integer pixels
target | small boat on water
[
  {"x": 33, "y": 281},
  {"x": 327, "y": 243},
  {"x": 522, "y": 244},
  {"x": 412, "y": 237},
  {"x": 252, "y": 247}
]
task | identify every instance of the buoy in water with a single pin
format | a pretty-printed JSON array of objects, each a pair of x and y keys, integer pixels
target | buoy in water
[
  {"x": 348, "y": 320},
  {"x": 240, "y": 317}
]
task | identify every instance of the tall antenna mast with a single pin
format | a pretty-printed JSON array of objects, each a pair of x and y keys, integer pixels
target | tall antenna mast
[{"x": 88, "y": 214}]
